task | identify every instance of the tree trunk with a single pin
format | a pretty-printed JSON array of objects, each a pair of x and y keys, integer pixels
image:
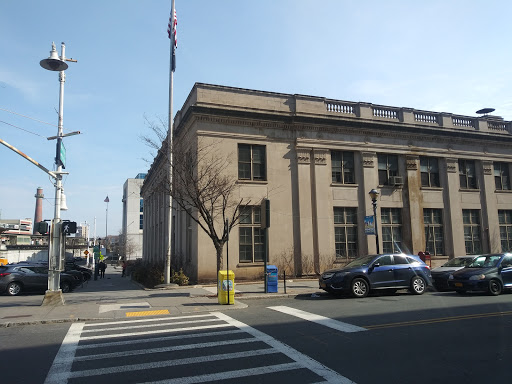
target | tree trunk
[{"x": 218, "y": 248}]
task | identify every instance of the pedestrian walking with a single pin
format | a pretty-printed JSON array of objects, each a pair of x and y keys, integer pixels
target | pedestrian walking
[
  {"x": 103, "y": 266},
  {"x": 124, "y": 269}
]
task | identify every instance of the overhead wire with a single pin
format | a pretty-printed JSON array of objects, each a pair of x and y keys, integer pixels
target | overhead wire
[{"x": 23, "y": 129}]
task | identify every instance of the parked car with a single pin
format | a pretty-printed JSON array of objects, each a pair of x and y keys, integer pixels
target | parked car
[
  {"x": 17, "y": 278},
  {"x": 388, "y": 272},
  {"x": 441, "y": 274},
  {"x": 491, "y": 273}
]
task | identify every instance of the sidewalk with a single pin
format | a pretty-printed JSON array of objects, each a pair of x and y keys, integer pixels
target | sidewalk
[{"x": 116, "y": 297}]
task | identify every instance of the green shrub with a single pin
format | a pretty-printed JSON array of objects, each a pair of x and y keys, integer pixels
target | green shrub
[{"x": 179, "y": 278}]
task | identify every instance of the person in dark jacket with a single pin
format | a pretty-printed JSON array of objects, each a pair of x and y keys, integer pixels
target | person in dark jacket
[{"x": 103, "y": 266}]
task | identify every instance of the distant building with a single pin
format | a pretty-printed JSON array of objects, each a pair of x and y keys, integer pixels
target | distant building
[
  {"x": 16, "y": 232},
  {"x": 443, "y": 181},
  {"x": 133, "y": 219},
  {"x": 83, "y": 231}
]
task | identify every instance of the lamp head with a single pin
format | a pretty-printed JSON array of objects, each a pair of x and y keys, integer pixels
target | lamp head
[
  {"x": 374, "y": 194},
  {"x": 53, "y": 63}
]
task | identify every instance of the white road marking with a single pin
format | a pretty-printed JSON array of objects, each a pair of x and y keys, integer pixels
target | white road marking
[
  {"x": 61, "y": 370},
  {"x": 160, "y": 339},
  {"x": 146, "y": 320},
  {"x": 170, "y": 322},
  {"x": 117, "y": 307},
  {"x": 163, "y": 364},
  {"x": 61, "y": 367},
  {"x": 322, "y": 320},
  {"x": 230, "y": 374},
  {"x": 305, "y": 361},
  {"x": 129, "y": 334},
  {"x": 136, "y": 352}
]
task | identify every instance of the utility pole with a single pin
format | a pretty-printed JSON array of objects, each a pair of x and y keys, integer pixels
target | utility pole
[{"x": 53, "y": 295}]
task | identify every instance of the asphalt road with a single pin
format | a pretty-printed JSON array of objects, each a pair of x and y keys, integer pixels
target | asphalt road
[{"x": 401, "y": 338}]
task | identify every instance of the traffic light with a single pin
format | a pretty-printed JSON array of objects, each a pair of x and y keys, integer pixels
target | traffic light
[
  {"x": 41, "y": 227},
  {"x": 68, "y": 227}
]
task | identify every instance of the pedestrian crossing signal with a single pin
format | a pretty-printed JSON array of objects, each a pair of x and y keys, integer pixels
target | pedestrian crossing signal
[
  {"x": 41, "y": 227},
  {"x": 69, "y": 227}
]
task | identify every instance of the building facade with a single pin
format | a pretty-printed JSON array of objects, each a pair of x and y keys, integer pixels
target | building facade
[
  {"x": 133, "y": 215},
  {"x": 443, "y": 181}
]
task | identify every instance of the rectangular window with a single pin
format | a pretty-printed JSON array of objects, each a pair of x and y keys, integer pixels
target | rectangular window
[
  {"x": 505, "y": 220},
  {"x": 251, "y": 162},
  {"x": 251, "y": 236},
  {"x": 467, "y": 174},
  {"x": 472, "y": 237},
  {"x": 345, "y": 232},
  {"x": 141, "y": 221},
  {"x": 388, "y": 167},
  {"x": 141, "y": 206},
  {"x": 342, "y": 167},
  {"x": 501, "y": 178},
  {"x": 391, "y": 219},
  {"x": 429, "y": 169},
  {"x": 434, "y": 239}
]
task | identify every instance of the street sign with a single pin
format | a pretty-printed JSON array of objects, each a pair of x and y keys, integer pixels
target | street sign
[
  {"x": 60, "y": 158},
  {"x": 369, "y": 225}
]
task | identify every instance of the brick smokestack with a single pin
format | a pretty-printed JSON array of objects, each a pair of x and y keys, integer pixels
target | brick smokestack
[{"x": 38, "y": 215}]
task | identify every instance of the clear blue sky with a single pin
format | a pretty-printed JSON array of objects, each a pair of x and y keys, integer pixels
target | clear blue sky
[{"x": 437, "y": 55}]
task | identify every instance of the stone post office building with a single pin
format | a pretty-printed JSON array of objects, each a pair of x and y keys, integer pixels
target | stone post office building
[{"x": 443, "y": 181}]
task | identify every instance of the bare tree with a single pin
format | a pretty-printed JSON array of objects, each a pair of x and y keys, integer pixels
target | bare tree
[
  {"x": 202, "y": 184},
  {"x": 127, "y": 246}
]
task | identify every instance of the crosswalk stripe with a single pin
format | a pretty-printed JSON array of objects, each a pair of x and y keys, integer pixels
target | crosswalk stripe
[
  {"x": 129, "y": 334},
  {"x": 230, "y": 374},
  {"x": 63, "y": 361},
  {"x": 146, "y": 320},
  {"x": 174, "y": 348},
  {"x": 163, "y": 364},
  {"x": 160, "y": 339},
  {"x": 166, "y": 322},
  {"x": 322, "y": 320},
  {"x": 306, "y": 361}
]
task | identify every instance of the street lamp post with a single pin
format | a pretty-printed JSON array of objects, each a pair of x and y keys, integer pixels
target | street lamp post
[
  {"x": 54, "y": 295},
  {"x": 373, "y": 195}
]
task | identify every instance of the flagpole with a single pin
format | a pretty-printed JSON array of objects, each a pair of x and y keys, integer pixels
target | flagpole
[{"x": 167, "y": 275}]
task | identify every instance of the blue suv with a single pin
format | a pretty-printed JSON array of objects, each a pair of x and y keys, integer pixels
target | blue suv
[{"x": 388, "y": 272}]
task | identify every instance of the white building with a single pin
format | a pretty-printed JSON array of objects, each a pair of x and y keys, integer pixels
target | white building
[{"x": 132, "y": 229}]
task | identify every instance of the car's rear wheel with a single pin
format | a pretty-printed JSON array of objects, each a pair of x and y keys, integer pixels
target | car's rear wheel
[
  {"x": 65, "y": 287},
  {"x": 418, "y": 285},
  {"x": 360, "y": 287},
  {"x": 495, "y": 287},
  {"x": 14, "y": 288}
]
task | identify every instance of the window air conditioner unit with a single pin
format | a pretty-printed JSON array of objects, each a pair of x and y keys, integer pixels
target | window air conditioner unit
[{"x": 396, "y": 181}]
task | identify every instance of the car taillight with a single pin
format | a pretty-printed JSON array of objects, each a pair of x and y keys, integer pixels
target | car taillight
[{"x": 4, "y": 274}]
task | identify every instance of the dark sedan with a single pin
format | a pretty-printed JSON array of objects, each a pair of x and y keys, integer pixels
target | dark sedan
[
  {"x": 378, "y": 272},
  {"x": 490, "y": 273},
  {"x": 441, "y": 274},
  {"x": 17, "y": 278}
]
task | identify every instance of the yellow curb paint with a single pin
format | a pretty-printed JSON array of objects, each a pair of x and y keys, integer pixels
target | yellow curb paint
[{"x": 148, "y": 313}]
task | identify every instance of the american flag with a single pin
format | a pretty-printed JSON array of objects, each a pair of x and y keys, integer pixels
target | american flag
[
  {"x": 171, "y": 32},
  {"x": 171, "y": 29}
]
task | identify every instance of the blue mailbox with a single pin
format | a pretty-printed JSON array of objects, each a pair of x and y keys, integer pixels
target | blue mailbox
[{"x": 271, "y": 278}]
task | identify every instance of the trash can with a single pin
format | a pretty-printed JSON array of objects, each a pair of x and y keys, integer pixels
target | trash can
[
  {"x": 271, "y": 278},
  {"x": 226, "y": 286}
]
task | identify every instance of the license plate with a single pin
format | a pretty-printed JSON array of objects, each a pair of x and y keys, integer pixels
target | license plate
[{"x": 458, "y": 284}]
